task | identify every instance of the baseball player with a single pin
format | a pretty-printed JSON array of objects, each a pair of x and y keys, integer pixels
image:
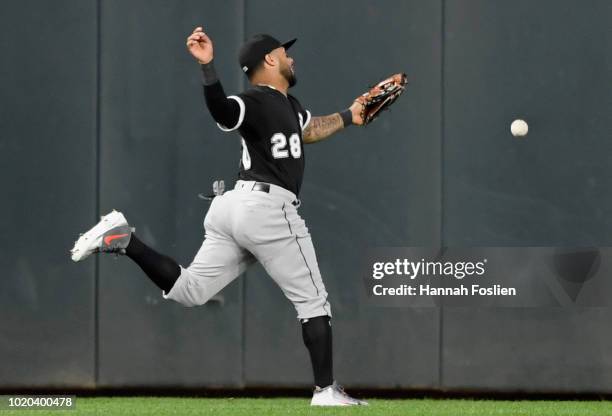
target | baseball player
[{"x": 258, "y": 220}]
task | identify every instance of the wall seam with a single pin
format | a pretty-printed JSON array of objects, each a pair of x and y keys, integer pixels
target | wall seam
[
  {"x": 240, "y": 80},
  {"x": 442, "y": 187},
  {"x": 97, "y": 192}
]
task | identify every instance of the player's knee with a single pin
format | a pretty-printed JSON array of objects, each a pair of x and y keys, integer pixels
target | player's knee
[
  {"x": 190, "y": 298},
  {"x": 194, "y": 297},
  {"x": 187, "y": 293},
  {"x": 318, "y": 306}
]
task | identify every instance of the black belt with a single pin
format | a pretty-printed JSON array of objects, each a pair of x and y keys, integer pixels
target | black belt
[
  {"x": 265, "y": 187},
  {"x": 261, "y": 187}
]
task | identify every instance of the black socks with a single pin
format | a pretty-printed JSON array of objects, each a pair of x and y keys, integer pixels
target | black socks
[
  {"x": 317, "y": 336},
  {"x": 162, "y": 270}
]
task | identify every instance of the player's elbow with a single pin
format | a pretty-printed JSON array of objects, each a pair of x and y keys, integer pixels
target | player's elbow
[
  {"x": 229, "y": 113},
  {"x": 308, "y": 136}
]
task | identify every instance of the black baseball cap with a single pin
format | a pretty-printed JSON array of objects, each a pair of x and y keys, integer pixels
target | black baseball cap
[{"x": 255, "y": 48}]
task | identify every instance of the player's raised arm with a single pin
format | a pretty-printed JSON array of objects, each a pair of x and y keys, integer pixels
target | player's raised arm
[
  {"x": 322, "y": 127},
  {"x": 226, "y": 111}
]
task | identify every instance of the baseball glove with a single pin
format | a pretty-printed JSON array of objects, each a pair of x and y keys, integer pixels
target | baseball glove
[{"x": 381, "y": 96}]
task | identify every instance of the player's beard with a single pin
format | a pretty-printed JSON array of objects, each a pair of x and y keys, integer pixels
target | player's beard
[{"x": 289, "y": 75}]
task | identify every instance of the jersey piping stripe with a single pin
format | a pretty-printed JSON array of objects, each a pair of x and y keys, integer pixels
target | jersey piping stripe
[
  {"x": 301, "y": 252},
  {"x": 310, "y": 271},
  {"x": 288, "y": 224},
  {"x": 307, "y": 120},
  {"x": 307, "y": 266},
  {"x": 240, "y": 117},
  {"x": 305, "y": 261}
]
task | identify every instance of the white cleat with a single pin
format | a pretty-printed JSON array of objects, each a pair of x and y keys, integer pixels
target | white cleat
[
  {"x": 111, "y": 235},
  {"x": 334, "y": 395}
]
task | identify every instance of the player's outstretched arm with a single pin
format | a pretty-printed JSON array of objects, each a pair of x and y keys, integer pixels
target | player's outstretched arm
[
  {"x": 322, "y": 127},
  {"x": 225, "y": 111}
]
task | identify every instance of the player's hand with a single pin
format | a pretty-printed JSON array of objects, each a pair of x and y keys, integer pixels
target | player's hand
[
  {"x": 200, "y": 46},
  {"x": 356, "y": 108}
]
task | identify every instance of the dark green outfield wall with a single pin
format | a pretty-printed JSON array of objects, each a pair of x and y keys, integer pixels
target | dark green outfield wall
[{"x": 101, "y": 108}]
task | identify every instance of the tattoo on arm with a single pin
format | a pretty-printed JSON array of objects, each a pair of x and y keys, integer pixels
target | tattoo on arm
[{"x": 320, "y": 128}]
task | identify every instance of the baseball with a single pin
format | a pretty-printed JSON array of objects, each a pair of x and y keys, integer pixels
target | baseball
[{"x": 519, "y": 128}]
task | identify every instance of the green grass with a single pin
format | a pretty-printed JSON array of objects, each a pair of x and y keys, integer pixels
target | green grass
[{"x": 288, "y": 406}]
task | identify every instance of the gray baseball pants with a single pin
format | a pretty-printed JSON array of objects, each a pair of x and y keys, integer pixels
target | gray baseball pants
[{"x": 243, "y": 226}]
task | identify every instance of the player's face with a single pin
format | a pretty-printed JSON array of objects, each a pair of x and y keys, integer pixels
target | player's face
[{"x": 287, "y": 67}]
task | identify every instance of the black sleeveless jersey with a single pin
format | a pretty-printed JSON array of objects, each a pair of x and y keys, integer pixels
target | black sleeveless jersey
[{"x": 270, "y": 125}]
